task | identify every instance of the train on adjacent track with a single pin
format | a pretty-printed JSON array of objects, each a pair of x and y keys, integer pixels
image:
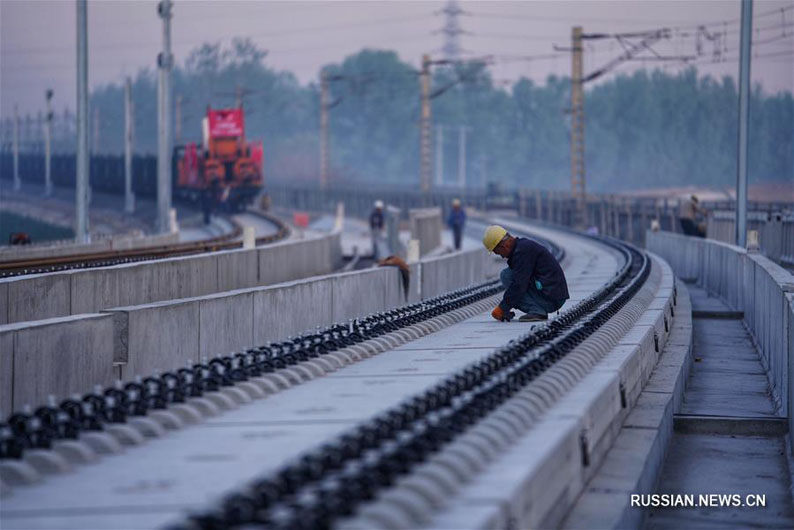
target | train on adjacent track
[
  {"x": 225, "y": 156},
  {"x": 225, "y": 169}
]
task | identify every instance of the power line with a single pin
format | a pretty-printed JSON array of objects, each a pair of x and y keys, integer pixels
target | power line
[{"x": 295, "y": 31}]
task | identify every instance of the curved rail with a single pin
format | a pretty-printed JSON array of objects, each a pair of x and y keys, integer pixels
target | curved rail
[
  {"x": 117, "y": 257},
  {"x": 332, "y": 481},
  {"x": 29, "y": 430}
]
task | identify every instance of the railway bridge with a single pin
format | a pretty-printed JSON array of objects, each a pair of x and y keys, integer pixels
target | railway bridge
[{"x": 273, "y": 386}]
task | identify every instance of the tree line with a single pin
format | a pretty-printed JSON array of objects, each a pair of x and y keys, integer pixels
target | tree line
[{"x": 647, "y": 129}]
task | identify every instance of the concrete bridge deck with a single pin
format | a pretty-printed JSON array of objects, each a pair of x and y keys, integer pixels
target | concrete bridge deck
[{"x": 588, "y": 439}]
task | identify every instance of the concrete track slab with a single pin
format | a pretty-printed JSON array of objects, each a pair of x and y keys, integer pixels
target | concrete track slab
[
  {"x": 189, "y": 468},
  {"x": 405, "y": 362}
]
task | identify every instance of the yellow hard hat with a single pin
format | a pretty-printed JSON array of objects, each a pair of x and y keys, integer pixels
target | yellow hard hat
[{"x": 493, "y": 235}]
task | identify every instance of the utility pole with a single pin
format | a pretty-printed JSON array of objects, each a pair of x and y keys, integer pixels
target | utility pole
[
  {"x": 39, "y": 132},
  {"x": 17, "y": 182},
  {"x": 95, "y": 136},
  {"x": 744, "y": 118},
  {"x": 27, "y": 144},
  {"x": 439, "y": 155},
  {"x": 164, "y": 62},
  {"x": 129, "y": 197},
  {"x": 47, "y": 139},
  {"x": 577, "y": 127},
  {"x": 324, "y": 157},
  {"x": 424, "y": 145},
  {"x": 81, "y": 189},
  {"x": 462, "y": 156},
  {"x": 178, "y": 120}
]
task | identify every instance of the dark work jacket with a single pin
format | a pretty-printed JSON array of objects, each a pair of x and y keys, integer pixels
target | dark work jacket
[
  {"x": 534, "y": 267},
  {"x": 456, "y": 218},
  {"x": 376, "y": 219}
]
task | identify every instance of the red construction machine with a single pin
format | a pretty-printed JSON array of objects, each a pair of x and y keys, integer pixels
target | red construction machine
[{"x": 225, "y": 169}]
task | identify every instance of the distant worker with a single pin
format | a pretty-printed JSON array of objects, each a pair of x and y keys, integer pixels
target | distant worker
[
  {"x": 456, "y": 221},
  {"x": 688, "y": 217},
  {"x": 534, "y": 281},
  {"x": 209, "y": 199},
  {"x": 376, "y": 223}
]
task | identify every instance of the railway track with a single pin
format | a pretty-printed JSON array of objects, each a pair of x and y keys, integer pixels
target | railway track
[
  {"x": 117, "y": 257},
  {"x": 333, "y": 480}
]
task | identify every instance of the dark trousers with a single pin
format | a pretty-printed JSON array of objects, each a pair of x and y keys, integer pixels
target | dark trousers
[
  {"x": 533, "y": 301},
  {"x": 689, "y": 227},
  {"x": 457, "y": 234}
]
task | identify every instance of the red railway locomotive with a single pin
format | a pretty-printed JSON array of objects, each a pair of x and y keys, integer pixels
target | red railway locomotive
[{"x": 225, "y": 166}]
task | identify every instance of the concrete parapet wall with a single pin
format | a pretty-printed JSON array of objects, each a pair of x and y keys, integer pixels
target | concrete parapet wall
[
  {"x": 426, "y": 226},
  {"x": 105, "y": 244},
  {"x": 166, "y": 335},
  {"x": 57, "y": 356},
  {"x": 289, "y": 309},
  {"x": 90, "y": 290},
  {"x": 170, "y": 334},
  {"x": 747, "y": 282},
  {"x": 40, "y": 296},
  {"x": 453, "y": 271}
]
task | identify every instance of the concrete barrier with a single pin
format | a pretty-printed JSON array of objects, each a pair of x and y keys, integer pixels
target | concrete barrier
[
  {"x": 288, "y": 309},
  {"x": 747, "y": 282},
  {"x": 104, "y": 244},
  {"x": 40, "y": 296},
  {"x": 453, "y": 271},
  {"x": 425, "y": 225},
  {"x": 159, "y": 336},
  {"x": 166, "y": 335},
  {"x": 57, "y": 356},
  {"x": 75, "y": 292}
]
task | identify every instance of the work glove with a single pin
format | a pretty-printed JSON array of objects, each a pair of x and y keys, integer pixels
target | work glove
[{"x": 500, "y": 315}]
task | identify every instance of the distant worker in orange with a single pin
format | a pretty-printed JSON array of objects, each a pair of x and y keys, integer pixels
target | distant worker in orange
[
  {"x": 534, "y": 281},
  {"x": 456, "y": 222}
]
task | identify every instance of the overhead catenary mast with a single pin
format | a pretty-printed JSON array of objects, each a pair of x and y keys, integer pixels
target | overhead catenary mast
[
  {"x": 164, "y": 140},
  {"x": 81, "y": 189}
]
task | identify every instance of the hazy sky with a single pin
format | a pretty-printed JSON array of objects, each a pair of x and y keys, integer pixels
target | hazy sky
[{"x": 37, "y": 38}]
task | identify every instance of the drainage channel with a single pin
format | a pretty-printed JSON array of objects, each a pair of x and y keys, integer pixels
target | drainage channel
[{"x": 332, "y": 481}]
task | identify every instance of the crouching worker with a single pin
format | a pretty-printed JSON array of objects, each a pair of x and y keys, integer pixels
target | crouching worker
[{"x": 533, "y": 279}]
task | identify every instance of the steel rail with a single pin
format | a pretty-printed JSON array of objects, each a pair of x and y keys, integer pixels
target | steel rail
[
  {"x": 333, "y": 480},
  {"x": 30, "y": 430},
  {"x": 228, "y": 241}
]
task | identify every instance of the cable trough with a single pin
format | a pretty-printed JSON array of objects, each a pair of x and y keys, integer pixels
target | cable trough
[
  {"x": 334, "y": 480},
  {"x": 117, "y": 257}
]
